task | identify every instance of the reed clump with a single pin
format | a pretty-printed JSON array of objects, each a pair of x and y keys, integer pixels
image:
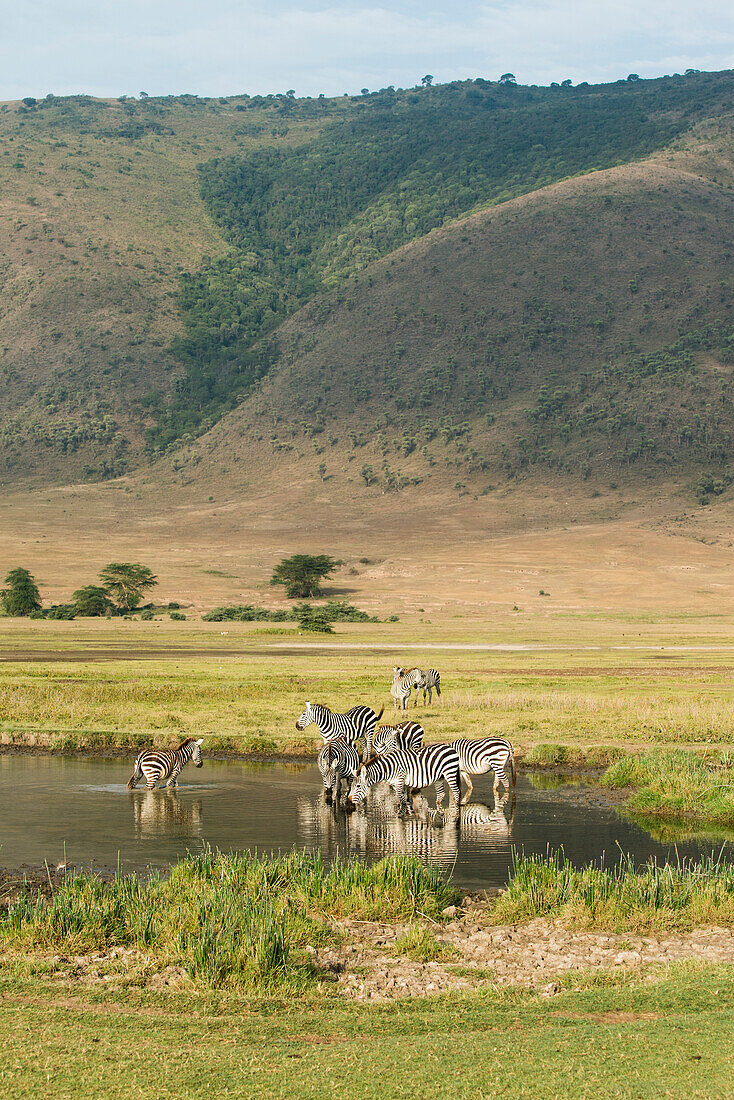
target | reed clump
[
  {"x": 621, "y": 897},
  {"x": 238, "y": 920}
]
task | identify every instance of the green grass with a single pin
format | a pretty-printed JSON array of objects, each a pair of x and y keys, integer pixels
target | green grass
[
  {"x": 420, "y": 944},
  {"x": 235, "y": 920},
  {"x": 677, "y": 785},
  {"x": 619, "y": 898},
  {"x": 622, "y": 1036}
]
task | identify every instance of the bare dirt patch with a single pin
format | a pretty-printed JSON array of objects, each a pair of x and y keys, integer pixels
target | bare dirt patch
[{"x": 533, "y": 956}]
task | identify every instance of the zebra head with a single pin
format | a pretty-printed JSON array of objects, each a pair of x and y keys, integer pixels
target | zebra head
[
  {"x": 360, "y": 787},
  {"x": 383, "y": 739},
  {"x": 196, "y": 752},
  {"x": 397, "y": 672},
  {"x": 306, "y": 718}
]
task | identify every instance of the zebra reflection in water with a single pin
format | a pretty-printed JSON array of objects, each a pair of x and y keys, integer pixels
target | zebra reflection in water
[
  {"x": 159, "y": 813},
  {"x": 488, "y": 826}
]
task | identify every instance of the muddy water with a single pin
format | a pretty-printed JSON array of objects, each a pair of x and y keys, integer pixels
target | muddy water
[{"x": 54, "y": 808}]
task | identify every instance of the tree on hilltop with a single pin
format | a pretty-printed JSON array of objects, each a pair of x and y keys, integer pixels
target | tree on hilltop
[
  {"x": 126, "y": 582},
  {"x": 427, "y": 80},
  {"x": 302, "y": 573},
  {"x": 21, "y": 597}
]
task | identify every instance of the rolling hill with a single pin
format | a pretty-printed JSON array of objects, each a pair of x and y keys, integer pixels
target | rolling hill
[{"x": 152, "y": 249}]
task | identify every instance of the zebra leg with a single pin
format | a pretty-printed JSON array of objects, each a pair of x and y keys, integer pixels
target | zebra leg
[
  {"x": 469, "y": 787},
  {"x": 337, "y": 789},
  {"x": 132, "y": 781},
  {"x": 440, "y": 792},
  {"x": 151, "y": 784},
  {"x": 455, "y": 796},
  {"x": 500, "y": 778},
  {"x": 402, "y": 794}
]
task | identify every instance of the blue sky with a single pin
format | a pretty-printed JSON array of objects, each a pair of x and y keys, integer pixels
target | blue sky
[{"x": 110, "y": 47}]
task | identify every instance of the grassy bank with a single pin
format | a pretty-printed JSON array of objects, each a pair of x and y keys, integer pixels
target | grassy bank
[
  {"x": 619, "y": 898},
  {"x": 235, "y": 920},
  {"x": 91, "y": 688},
  {"x": 678, "y": 785}
]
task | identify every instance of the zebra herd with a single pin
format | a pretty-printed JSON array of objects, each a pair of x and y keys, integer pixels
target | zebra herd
[{"x": 392, "y": 754}]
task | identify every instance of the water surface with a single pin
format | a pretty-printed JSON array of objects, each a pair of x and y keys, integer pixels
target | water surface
[{"x": 79, "y": 810}]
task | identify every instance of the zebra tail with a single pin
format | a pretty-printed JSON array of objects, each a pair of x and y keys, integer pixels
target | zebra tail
[
  {"x": 513, "y": 769},
  {"x": 382, "y": 711},
  {"x": 134, "y": 778}
]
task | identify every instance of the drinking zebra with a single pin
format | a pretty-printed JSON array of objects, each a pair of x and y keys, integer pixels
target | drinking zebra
[
  {"x": 403, "y": 682},
  {"x": 487, "y": 754},
  {"x": 357, "y": 723},
  {"x": 337, "y": 760},
  {"x": 408, "y": 771},
  {"x": 425, "y": 679},
  {"x": 159, "y": 764},
  {"x": 406, "y": 735}
]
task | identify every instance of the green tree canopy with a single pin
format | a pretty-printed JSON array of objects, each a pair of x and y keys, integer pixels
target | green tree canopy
[
  {"x": 302, "y": 573},
  {"x": 126, "y": 582},
  {"x": 21, "y": 597},
  {"x": 92, "y": 599}
]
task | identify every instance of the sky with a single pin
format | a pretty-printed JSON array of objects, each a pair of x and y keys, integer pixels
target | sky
[{"x": 162, "y": 47}]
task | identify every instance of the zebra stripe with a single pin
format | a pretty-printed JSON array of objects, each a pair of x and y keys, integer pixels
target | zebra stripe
[
  {"x": 403, "y": 682},
  {"x": 159, "y": 764},
  {"x": 425, "y": 679},
  {"x": 357, "y": 723},
  {"x": 411, "y": 771},
  {"x": 337, "y": 760},
  {"x": 406, "y": 735},
  {"x": 487, "y": 754}
]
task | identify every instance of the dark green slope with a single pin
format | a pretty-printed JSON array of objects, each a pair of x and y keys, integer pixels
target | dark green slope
[
  {"x": 390, "y": 169},
  {"x": 586, "y": 330}
]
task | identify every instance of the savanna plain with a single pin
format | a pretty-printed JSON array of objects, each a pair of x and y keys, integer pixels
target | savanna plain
[{"x": 229, "y": 974}]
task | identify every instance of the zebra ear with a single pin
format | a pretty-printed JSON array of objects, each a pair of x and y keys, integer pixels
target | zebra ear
[
  {"x": 308, "y": 705},
  {"x": 200, "y": 741}
]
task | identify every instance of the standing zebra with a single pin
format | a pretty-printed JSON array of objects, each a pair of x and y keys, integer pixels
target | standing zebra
[
  {"x": 406, "y": 735},
  {"x": 425, "y": 679},
  {"x": 480, "y": 757},
  {"x": 159, "y": 764},
  {"x": 409, "y": 771},
  {"x": 403, "y": 682},
  {"x": 337, "y": 760},
  {"x": 359, "y": 722},
  {"x": 430, "y": 678}
]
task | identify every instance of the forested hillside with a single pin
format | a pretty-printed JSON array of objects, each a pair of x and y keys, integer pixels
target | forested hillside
[
  {"x": 153, "y": 249},
  {"x": 584, "y": 330}
]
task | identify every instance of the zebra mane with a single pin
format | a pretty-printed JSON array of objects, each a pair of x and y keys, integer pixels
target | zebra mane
[{"x": 186, "y": 741}]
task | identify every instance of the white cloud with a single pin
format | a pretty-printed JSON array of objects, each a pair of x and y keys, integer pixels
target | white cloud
[{"x": 187, "y": 45}]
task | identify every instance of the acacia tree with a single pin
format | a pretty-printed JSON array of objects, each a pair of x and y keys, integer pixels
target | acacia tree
[
  {"x": 302, "y": 573},
  {"x": 91, "y": 600},
  {"x": 126, "y": 582},
  {"x": 21, "y": 597}
]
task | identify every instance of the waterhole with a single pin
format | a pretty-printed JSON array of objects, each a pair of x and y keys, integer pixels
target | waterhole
[{"x": 80, "y": 811}]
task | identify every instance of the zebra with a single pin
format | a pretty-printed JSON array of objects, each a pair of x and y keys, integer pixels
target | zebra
[
  {"x": 359, "y": 722},
  {"x": 403, "y": 682},
  {"x": 430, "y": 678},
  {"x": 482, "y": 756},
  {"x": 406, "y": 735},
  {"x": 437, "y": 764},
  {"x": 421, "y": 679},
  {"x": 159, "y": 764},
  {"x": 337, "y": 760}
]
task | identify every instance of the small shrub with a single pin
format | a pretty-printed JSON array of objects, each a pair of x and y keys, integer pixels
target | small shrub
[
  {"x": 146, "y": 615},
  {"x": 393, "y": 618},
  {"x": 177, "y": 617}
]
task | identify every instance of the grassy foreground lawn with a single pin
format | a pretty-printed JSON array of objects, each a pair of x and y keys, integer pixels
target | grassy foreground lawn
[{"x": 622, "y": 1036}]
